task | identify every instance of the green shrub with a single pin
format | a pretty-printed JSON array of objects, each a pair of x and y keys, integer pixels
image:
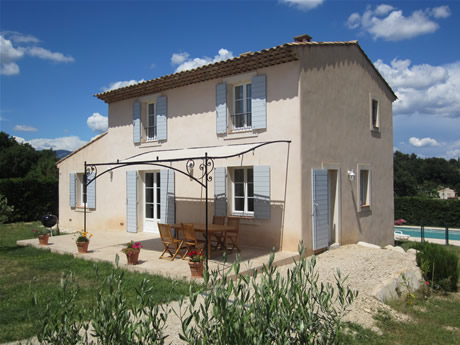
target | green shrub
[
  {"x": 31, "y": 197},
  {"x": 266, "y": 308},
  {"x": 439, "y": 266},
  {"x": 5, "y": 210},
  {"x": 431, "y": 212},
  {"x": 113, "y": 320}
]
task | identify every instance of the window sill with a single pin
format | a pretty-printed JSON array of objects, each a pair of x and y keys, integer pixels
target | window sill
[
  {"x": 241, "y": 134},
  {"x": 82, "y": 209},
  {"x": 151, "y": 143},
  {"x": 375, "y": 129},
  {"x": 365, "y": 207}
]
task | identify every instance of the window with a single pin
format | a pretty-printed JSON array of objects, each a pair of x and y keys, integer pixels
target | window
[
  {"x": 243, "y": 191},
  {"x": 242, "y": 117},
  {"x": 364, "y": 187},
  {"x": 151, "y": 128},
  {"x": 79, "y": 186},
  {"x": 152, "y": 196},
  {"x": 375, "y": 115}
]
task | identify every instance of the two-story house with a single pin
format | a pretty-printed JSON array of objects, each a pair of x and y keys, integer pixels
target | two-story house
[{"x": 332, "y": 184}]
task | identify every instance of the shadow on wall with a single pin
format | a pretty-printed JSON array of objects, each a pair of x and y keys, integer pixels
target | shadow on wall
[{"x": 259, "y": 233}]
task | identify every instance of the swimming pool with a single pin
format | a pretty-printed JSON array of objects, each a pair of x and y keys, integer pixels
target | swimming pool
[{"x": 429, "y": 233}]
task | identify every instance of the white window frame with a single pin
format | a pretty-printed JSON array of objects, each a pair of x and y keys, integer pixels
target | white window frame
[
  {"x": 245, "y": 107},
  {"x": 148, "y": 124},
  {"x": 375, "y": 126},
  {"x": 245, "y": 212},
  {"x": 367, "y": 189},
  {"x": 79, "y": 184},
  {"x": 156, "y": 198}
]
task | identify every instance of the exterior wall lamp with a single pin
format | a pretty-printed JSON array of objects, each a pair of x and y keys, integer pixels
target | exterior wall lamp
[{"x": 351, "y": 175}]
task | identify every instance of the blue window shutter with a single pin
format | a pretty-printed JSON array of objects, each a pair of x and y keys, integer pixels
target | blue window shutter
[
  {"x": 221, "y": 108},
  {"x": 131, "y": 201},
  {"x": 262, "y": 192},
  {"x": 72, "y": 190},
  {"x": 220, "y": 192},
  {"x": 320, "y": 209},
  {"x": 162, "y": 117},
  {"x": 259, "y": 102},
  {"x": 91, "y": 192},
  {"x": 137, "y": 122},
  {"x": 167, "y": 197}
]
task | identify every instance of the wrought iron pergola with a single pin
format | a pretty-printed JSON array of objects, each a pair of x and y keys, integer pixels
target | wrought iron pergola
[{"x": 206, "y": 167}]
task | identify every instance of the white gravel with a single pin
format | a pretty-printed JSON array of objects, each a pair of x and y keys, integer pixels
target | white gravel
[{"x": 374, "y": 272}]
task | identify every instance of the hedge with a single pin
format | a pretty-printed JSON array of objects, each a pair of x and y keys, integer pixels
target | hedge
[
  {"x": 430, "y": 212},
  {"x": 31, "y": 197}
]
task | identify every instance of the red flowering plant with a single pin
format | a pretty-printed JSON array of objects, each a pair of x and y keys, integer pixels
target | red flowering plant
[
  {"x": 196, "y": 256},
  {"x": 132, "y": 247}
]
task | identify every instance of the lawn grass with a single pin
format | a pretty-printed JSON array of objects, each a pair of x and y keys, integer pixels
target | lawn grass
[
  {"x": 434, "y": 320},
  {"x": 26, "y": 272}
]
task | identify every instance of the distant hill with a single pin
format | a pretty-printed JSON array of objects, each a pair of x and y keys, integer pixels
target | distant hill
[{"x": 62, "y": 153}]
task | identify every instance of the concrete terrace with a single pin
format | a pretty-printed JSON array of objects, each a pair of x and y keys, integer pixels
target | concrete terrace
[{"x": 105, "y": 245}]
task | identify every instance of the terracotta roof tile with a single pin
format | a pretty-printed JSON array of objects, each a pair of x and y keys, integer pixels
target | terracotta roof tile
[{"x": 244, "y": 63}]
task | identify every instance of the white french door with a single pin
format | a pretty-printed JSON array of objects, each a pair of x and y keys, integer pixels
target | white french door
[{"x": 152, "y": 205}]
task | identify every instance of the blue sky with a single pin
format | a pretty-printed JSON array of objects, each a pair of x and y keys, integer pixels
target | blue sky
[{"x": 55, "y": 55}]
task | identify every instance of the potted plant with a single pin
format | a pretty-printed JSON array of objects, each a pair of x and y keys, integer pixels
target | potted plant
[
  {"x": 83, "y": 241},
  {"x": 132, "y": 251},
  {"x": 43, "y": 235},
  {"x": 196, "y": 263}
]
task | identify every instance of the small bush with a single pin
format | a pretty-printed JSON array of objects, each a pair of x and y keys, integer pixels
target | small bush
[
  {"x": 267, "y": 308},
  {"x": 113, "y": 320},
  {"x": 439, "y": 266}
]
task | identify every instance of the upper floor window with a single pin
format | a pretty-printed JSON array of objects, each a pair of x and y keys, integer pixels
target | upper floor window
[
  {"x": 242, "y": 118},
  {"x": 151, "y": 128},
  {"x": 375, "y": 115}
]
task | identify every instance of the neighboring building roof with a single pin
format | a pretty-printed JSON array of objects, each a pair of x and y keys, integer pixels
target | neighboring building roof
[
  {"x": 82, "y": 147},
  {"x": 242, "y": 64}
]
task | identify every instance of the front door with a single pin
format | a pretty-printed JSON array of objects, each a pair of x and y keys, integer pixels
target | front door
[
  {"x": 152, "y": 199},
  {"x": 320, "y": 209}
]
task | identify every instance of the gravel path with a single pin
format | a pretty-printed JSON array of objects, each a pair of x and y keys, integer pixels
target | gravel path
[{"x": 374, "y": 272}]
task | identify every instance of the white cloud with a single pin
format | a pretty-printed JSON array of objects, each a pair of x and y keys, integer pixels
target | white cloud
[
  {"x": 188, "y": 64},
  {"x": 423, "y": 89},
  {"x": 304, "y": 5},
  {"x": 178, "y": 58},
  {"x": 25, "y": 128},
  {"x": 119, "y": 84},
  {"x": 10, "y": 53},
  {"x": 45, "y": 54},
  {"x": 98, "y": 122},
  {"x": 441, "y": 12},
  {"x": 20, "y": 38},
  {"x": 9, "y": 68},
  {"x": 423, "y": 142},
  {"x": 70, "y": 143},
  {"x": 390, "y": 24}
]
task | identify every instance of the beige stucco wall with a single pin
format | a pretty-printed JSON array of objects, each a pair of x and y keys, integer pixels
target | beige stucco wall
[
  {"x": 192, "y": 123},
  {"x": 328, "y": 122},
  {"x": 337, "y": 83}
]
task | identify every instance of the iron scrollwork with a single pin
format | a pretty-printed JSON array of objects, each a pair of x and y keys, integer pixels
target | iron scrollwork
[
  {"x": 90, "y": 169},
  {"x": 190, "y": 164}
]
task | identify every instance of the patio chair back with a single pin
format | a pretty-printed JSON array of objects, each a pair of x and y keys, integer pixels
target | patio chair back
[
  {"x": 218, "y": 220},
  {"x": 189, "y": 238},
  {"x": 232, "y": 235},
  {"x": 172, "y": 245}
]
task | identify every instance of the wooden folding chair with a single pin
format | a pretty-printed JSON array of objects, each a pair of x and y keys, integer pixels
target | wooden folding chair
[
  {"x": 169, "y": 242},
  {"x": 218, "y": 239},
  {"x": 232, "y": 235},
  {"x": 190, "y": 241}
]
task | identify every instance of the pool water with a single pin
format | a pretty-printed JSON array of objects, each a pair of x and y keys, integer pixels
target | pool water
[{"x": 429, "y": 233}]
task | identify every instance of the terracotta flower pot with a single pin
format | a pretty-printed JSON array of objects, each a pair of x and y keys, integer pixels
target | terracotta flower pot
[
  {"x": 196, "y": 268},
  {"x": 43, "y": 239},
  {"x": 82, "y": 247},
  {"x": 133, "y": 259}
]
